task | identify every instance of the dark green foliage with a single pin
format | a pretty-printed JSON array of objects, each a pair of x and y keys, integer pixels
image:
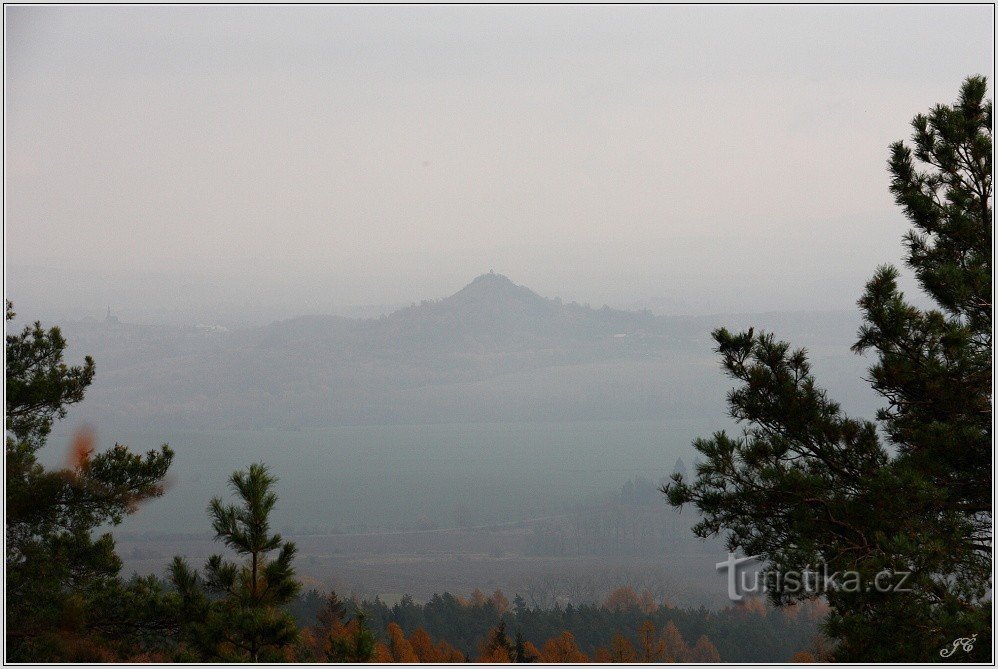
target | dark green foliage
[
  {"x": 331, "y": 613},
  {"x": 40, "y": 386},
  {"x": 497, "y": 644},
  {"x": 740, "y": 635},
  {"x": 806, "y": 485},
  {"x": 358, "y": 646},
  {"x": 65, "y": 599},
  {"x": 233, "y": 611},
  {"x": 520, "y": 654}
]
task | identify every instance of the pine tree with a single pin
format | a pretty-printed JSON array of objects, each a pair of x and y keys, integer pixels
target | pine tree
[
  {"x": 233, "y": 611},
  {"x": 332, "y": 613},
  {"x": 63, "y": 590},
  {"x": 522, "y": 654},
  {"x": 806, "y": 485},
  {"x": 497, "y": 646},
  {"x": 357, "y": 645}
]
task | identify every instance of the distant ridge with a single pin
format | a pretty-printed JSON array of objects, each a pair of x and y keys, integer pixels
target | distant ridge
[{"x": 493, "y": 350}]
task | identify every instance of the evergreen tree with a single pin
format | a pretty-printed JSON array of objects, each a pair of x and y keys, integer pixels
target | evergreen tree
[
  {"x": 64, "y": 594},
  {"x": 805, "y": 485},
  {"x": 497, "y": 646},
  {"x": 356, "y": 646},
  {"x": 519, "y": 606},
  {"x": 521, "y": 654},
  {"x": 332, "y": 612},
  {"x": 233, "y": 611}
]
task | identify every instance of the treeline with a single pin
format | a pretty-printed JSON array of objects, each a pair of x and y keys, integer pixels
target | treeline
[
  {"x": 66, "y": 599},
  {"x": 627, "y": 626},
  {"x": 632, "y": 523}
]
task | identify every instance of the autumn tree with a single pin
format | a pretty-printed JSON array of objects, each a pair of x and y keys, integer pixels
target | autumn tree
[
  {"x": 621, "y": 650},
  {"x": 399, "y": 647},
  {"x": 499, "y": 601},
  {"x": 382, "y": 654},
  {"x": 523, "y": 651},
  {"x": 909, "y": 496},
  {"x": 329, "y": 623},
  {"x": 674, "y": 646},
  {"x": 622, "y": 599},
  {"x": 704, "y": 651},
  {"x": 562, "y": 648},
  {"x": 332, "y": 613},
  {"x": 64, "y": 596},
  {"x": 234, "y": 610},
  {"x": 650, "y": 646},
  {"x": 821, "y": 648},
  {"x": 356, "y": 643},
  {"x": 424, "y": 647},
  {"x": 497, "y": 647},
  {"x": 450, "y": 654}
]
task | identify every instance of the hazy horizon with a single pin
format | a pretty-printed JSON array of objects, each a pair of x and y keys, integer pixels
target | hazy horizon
[
  {"x": 584, "y": 306},
  {"x": 207, "y": 163}
]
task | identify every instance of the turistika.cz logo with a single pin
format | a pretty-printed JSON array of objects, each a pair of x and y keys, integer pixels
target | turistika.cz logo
[{"x": 807, "y": 581}]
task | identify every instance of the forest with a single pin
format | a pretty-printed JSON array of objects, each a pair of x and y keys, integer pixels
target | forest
[{"x": 626, "y": 627}]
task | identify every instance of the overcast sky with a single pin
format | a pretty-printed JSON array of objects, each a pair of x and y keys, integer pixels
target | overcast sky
[{"x": 273, "y": 161}]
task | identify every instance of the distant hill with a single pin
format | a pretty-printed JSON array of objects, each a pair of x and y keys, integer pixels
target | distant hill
[
  {"x": 490, "y": 313},
  {"x": 494, "y": 350}
]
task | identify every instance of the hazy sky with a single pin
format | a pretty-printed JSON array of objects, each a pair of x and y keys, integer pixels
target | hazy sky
[{"x": 273, "y": 161}]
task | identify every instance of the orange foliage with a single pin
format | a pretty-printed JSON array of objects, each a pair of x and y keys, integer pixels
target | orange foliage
[
  {"x": 449, "y": 653},
  {"x": 562, "y": 649},
  {"x": 622, "y": 599},
  {"x": 652, "y": 648},
  {"x": 821, "y": 648},
  {"x": 494, "y": 656},
  {"x": 81, "y": 449},
  {"x": 495, "y": 647},
  {"x": 530, "y": 650},
  {"x": 399, "y": 647},
  {"x": 675, "y": 646},
  {"x": 499, "y": 600},
  {"x": 620, "y": 650},
  {"x": 625, "y": 599},
  {"x": 419, "y": 647},
  {"x": 803, "y": 657},
  {"x": 755, "y": 605},
  {"x": 78, "y": 458},
  {"x": 381, "y": 654},
  {"x": 332, "y": 630},
  {"x": 704, "y": 651},
  {"x": 423, "y": 646}
]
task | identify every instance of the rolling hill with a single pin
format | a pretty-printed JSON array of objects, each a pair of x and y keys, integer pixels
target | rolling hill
[{"x": 492, "y": 351}]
